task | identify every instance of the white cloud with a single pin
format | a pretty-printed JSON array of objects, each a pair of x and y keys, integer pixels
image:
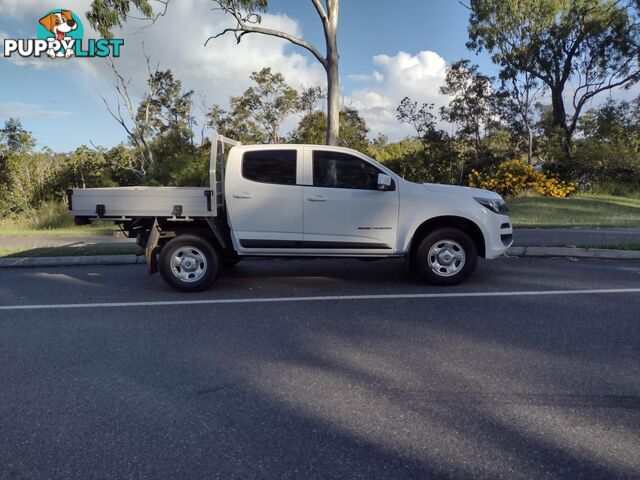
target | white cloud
[
  {"x": 374, "y": 76},
  {"x": 403, "y": 75},
  {"x": 222, "y": 68},
  {"x": 25, "y": 110},
  {"x": 176, "y": 42}
]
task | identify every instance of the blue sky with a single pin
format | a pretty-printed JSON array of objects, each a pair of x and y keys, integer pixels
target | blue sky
[{"x": 60, "y": 100}]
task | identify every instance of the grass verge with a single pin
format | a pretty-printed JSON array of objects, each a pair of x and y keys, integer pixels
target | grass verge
[
  {"x": 84, "y": 231},
  {"x": 577, "y": 211},
  {"x": 81, "y": 251},
  {"x": 50, "y": 220}
]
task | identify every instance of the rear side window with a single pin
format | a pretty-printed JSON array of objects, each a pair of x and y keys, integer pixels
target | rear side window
[
  {"x": 340, "y": 170},
  {"x": 270, "y": 166}
]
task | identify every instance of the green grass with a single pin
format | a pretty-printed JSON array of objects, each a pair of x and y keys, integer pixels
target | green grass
[
  {"x": 50, "y": 220},
  {"x": 84, "y": 231},
  {"x": 82, "y": 251},
  {"x": 577, "y": 211}
]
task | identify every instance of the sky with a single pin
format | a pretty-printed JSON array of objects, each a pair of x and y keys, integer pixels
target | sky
[{"x": 388, "y": 50}]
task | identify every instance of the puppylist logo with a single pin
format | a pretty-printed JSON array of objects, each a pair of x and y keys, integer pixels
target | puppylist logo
[{"x": 59, "y": 35}]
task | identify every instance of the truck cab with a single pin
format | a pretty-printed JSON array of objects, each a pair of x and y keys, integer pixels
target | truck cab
[{"x": 305, "y": 201}]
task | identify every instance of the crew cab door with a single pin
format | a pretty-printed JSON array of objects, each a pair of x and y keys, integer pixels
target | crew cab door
[
  {"x": 343, "y": 209},
  {"x": 263, "y": 194}
]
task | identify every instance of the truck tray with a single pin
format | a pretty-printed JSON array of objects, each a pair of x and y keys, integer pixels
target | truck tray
[{"x": 128, "y": 202}]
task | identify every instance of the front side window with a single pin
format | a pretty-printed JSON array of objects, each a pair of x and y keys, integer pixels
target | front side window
[
  {"x": 340, "y": 170},
  {"x": 270, "y": 166}
]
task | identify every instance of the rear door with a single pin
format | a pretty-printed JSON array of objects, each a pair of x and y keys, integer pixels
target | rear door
[
  {"x": 342, "y": 208},
  {"x": 264, "y": 199}
]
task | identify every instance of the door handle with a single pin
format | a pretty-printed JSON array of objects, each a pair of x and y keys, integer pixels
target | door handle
[
  {"x": 317, "y": 198},
  {"x": 242, "y": 195}
]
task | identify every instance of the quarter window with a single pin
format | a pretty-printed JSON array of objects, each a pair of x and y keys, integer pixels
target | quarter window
[
  {"x": 340, "y": 170},
  {"x": 270, "y": 166}
]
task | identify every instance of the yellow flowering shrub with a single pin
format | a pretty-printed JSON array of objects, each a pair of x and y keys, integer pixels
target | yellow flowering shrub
[{"x": 514, "y": 176}]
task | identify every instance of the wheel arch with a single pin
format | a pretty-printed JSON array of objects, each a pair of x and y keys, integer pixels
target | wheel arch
[{"x": 466, "y": 225}]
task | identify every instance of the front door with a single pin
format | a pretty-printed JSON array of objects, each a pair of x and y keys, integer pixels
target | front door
[{"x": 343, "y": 209}]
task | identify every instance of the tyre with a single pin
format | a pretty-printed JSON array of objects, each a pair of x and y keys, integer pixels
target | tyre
[
  {"x": 446, "y": 256},
  {"x": 189, "y": 263}
]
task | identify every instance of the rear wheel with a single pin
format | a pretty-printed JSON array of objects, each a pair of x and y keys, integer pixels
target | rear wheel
[
  {"x": 447, "y": 256},
  {"x": 189, "y": 263}
]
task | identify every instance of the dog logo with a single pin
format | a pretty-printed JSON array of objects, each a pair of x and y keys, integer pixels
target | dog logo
[
  {"x": 59, "y": 35},
  {"x": 64, "y": 27}
]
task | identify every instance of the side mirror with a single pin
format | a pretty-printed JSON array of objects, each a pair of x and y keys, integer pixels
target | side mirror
[{"x": 385, "y": 182}]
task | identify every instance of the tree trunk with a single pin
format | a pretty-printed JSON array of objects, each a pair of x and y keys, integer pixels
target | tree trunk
[
  {"x": 560, "y": 118},
  {"x": 530, "y": 150},
  {"x": 559, "y": 113},
  {"x": 333, "y": 74},
  {"x": 333, "y": 103}
]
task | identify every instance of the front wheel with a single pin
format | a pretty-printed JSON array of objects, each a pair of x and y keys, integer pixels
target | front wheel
[
  {"x": 189, "y": 263},
  {"x": 447, "y": 256}
]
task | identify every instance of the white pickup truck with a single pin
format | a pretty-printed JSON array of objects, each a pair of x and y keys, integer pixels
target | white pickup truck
[{"x": 302, "y": 201}]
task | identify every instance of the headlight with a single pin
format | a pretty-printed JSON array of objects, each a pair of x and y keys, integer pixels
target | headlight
[{"x": 496, "y": 205}]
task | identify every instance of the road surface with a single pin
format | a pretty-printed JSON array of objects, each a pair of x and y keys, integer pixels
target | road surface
[{"x": 530, "y": 370}]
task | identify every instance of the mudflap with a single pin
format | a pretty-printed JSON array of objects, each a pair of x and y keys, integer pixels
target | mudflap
[{"x": 151, "y": 248}]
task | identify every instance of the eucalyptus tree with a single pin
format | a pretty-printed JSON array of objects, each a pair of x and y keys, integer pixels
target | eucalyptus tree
[
  {"x": 246, "y": 14},
  {"x": 576, "y": 48}
]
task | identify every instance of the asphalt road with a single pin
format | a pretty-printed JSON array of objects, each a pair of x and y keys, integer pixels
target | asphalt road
[{"x": 511, "y": 377}]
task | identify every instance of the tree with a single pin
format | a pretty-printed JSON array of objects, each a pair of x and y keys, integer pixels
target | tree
[
  {"x": 165, "y": 109},
  {"x": 309, "y": 98},
  {"x": 591, "y": 44},
  {"x": 470, "y": 105},
  {"x": 257, "y": 115},
  {"x": 353, "y": 129},
  {"x": 519, "y": 93},
  {"x": 106, "y": 14},
  {"x": 15, "y": 138},
  {"x": 235, "y": 125},
  {"x": 137, "y": 125},
  {"x": 268, "y": 103},
  {"x": 437, "y": 161}
]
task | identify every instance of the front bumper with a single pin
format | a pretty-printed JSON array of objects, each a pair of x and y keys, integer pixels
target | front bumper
[{"x": 499, "y": 235}]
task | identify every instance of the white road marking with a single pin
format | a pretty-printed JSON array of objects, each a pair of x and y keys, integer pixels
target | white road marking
[{"x": 329, "y": 298}]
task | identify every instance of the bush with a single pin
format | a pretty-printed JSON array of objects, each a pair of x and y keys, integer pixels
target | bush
[
  {"x": 48, "y": 216},
  {"x": 514, "y": 177}
]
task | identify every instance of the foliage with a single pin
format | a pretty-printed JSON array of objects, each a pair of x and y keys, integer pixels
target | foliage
[
  {"x": 437, "y": 162},
  {"x": 515, "y": 177},
  {"x": 591, "y": 44},
  {"x": 177, "y": 165},
  {"x": 105, "y": 15},
  {"x": 14, "y": 138},
  {"x": 470, "y": 107},
  {"x": 168, "y": 108},
  {"x": 312, "y": 129},
  {"x": 257, "y": 115}
]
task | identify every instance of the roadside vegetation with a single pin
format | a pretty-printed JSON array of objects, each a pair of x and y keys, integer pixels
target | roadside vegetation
[
  {"x": 517, "y": 133},
  {"x": 51, "y": 218},
  {"x": 581, "y": 210}
]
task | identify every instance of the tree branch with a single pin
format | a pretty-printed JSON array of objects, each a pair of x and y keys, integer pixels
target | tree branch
[
  {"x": 321, "y": 11},
  {"x": 248, "y": 25}
]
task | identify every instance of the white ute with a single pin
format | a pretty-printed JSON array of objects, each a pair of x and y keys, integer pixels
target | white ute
[{"x": 302, "y": 201}]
